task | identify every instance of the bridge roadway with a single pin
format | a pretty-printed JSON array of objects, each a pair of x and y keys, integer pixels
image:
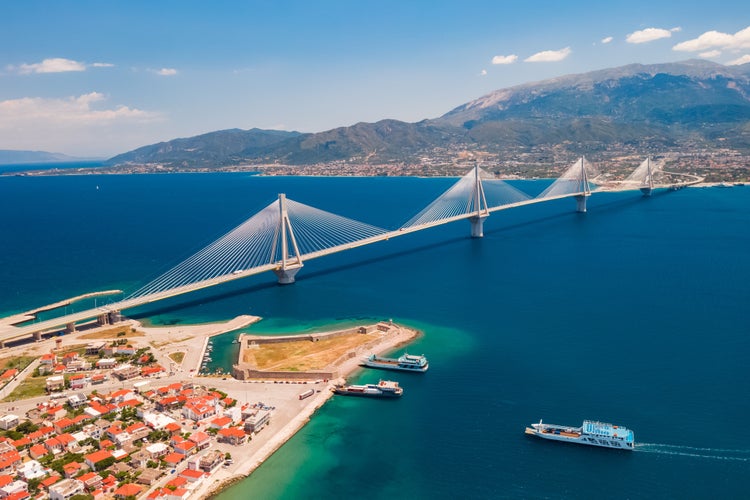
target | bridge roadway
[{"x": 9, "y": 333}]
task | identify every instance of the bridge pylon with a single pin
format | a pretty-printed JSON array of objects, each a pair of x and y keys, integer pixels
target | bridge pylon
[
  {"x": 584, "y": 189},
  {"x": 479, "y": 205},
  {"x": 648, "y": 182},
  {"x": 290, "y": 262}
]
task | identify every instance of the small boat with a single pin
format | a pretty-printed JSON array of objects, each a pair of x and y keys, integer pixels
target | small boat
[
  {"x": 383, "y": 389},
  {"x": 235, "y": 341},
  {"x": 591, "y": 433},
  {"x": 207, "y": 359}
]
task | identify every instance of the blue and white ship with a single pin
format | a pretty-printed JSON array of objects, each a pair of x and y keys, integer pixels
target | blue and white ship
[{"x": 591, "y": 433}]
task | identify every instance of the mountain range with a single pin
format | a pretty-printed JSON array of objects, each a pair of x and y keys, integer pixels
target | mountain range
[{"x": 694, "y": 103}]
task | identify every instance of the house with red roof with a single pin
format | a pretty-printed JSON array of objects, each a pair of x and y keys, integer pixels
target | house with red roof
[
  {"x": 173, "y": 428},
  {"x": 9, "y": 460},
  {"x": 233, "y": 435},
  {"x": 173, "y": 459},
  {"x": 63, "y": 425},
  {"x": 201, "y": 440},
  {"x": 8, "y": 374},
  {"x": 72, "y": 469},
  {"x": 38, "y": 451},
  {"x": 19, "y": 495},
  {"x": 128, "y": 490},
  {"x": 184, "y": 448},
  {"x": 56, "y": 412},
  {"x": 92, "y": 459},
  {"x": 46, "y": 483},
  {"x": 151, "y": 371},
  {"x": 198, "y": 410},
  {"x": 192, "y": 476},
  {"x": 178, "y": 494},
  {"x": 67, "y": 440},
  {"x": 177, "y": 482},
  {"x": 22, "y": 443},
  {"x": 91, "y": 481},
  {"x": 54, "y": 445},
  {"x": 221, "y": 423}
]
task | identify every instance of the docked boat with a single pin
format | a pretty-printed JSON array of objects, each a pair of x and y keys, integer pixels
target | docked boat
[
  {"x": 407, "y": 363},
  {"x": 383, "y": 389},
  {"x": 591, "y": 433}
]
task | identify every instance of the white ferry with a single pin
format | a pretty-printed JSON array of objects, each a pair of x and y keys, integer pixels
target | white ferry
[
  {"x": 383, "y": 389},
  {"x": 407, "y": 363},
  {"x": 591, "y": 433}
]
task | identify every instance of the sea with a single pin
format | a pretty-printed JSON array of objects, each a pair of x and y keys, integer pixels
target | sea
[{"x": 634, "y": 313}]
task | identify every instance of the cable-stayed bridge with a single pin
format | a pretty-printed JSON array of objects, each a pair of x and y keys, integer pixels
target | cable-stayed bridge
[{"x": 286, "y": 234}]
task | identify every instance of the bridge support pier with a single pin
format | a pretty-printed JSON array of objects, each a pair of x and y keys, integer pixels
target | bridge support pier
[
  {"x": 102, "y": 319},
  {"x": 477, "y": 226},
  {"x": 286, "y": 275},
  {"x": 114, "y": 317},
  {"x": 581, "y": 203},
  {"x": 2, "y": 344},
  {"x": 37, "y": 336},
  {"x": 70, "y": 328}
]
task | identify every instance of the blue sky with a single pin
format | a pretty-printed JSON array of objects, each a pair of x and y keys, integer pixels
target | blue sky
[{"x": 102, "y": 77}]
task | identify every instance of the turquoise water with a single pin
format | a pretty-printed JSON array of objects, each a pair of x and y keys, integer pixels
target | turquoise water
[{"x": 634, "y": 313}]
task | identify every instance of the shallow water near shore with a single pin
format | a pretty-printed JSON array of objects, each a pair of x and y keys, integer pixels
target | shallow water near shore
[{"x": 635, "y": 313}]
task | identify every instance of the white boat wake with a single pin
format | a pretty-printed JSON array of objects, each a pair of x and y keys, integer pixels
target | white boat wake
[{"x": 694, "y": 452}]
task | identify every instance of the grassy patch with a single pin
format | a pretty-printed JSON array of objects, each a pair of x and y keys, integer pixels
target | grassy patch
[
  {"x": 177, "y": 357},
  {"x": 170, "y": 341},
  {"x": 30, "y": 388},
  {"x": 113, "y": 333},
  {"x": 304, "y": 355},
  {"x": 17, "y": 362}
]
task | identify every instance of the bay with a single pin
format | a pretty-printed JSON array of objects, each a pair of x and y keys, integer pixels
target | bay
[{"x": 635, "y": 313}]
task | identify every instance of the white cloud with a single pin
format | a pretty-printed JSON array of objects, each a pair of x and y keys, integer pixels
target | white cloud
[
  {"x": 505, "y": 59},
  {"x": 676, "y": 29},
  {"x": 56, "y": 65},
  {"x": 83, "y": 124},
  {"x": 716, "y": 40},
  {"x": 607, "y": 39},
  {"x": 647, "y": 35},
  {"x": 740, "y": 60},
  {"x": 549, "y": 55},
  {"x": 166, "y": 72},
  {"x": 483, "y": 72},
  {"x": 72, "y": 109},
  {"x": 710, "y": 54}
]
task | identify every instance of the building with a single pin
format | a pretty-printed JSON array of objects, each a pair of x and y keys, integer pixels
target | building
[
  {"x": 254, "y": 423},
  {"x": 210, "y": 461},
  {"x": 233, "y": 435},
  {"x": 126, "y": 371},
  {"x": 106, "y": 363},
  {"x": 65, "y": 489},
  {"x": 92, "y": 459},
  {"x": 55, "y": 383},
  {"x": 8, "y": 421}
]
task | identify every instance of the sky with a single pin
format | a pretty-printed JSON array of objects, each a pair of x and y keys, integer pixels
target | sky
[{"x": 98, "y": 78}]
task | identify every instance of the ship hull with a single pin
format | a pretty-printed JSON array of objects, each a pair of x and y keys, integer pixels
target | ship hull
[
  {"x": 382, "y": 395},
  {"x": 395, "y": 367}
]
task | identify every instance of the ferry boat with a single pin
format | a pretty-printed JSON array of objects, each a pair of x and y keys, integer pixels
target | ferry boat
[
  {"x": 383, "y": 389},
  {"x": 591, "y": 433},
  {"x": 407, "y": 363}
]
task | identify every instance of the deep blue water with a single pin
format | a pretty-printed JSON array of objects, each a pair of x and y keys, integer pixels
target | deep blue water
[{"x": 634, "y": 313}]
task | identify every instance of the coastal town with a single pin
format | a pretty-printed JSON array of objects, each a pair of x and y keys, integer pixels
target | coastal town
[{"x": 128, "y": 414}]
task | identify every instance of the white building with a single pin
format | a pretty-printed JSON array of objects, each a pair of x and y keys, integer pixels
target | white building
[
  {"x": 65, "y": 489},
  {"x": 8, "y": 421},
  {"x": 32, "y": 470}
]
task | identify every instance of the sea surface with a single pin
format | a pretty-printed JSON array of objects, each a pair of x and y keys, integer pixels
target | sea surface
[{"x": 634, "y": 313}]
